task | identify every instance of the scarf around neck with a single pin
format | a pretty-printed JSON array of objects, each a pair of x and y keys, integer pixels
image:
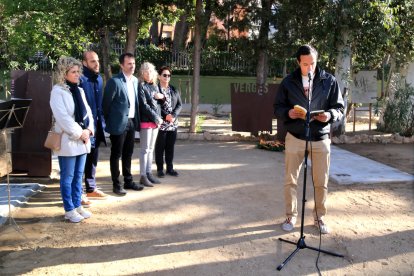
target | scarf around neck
[
  {"x": 89, "y": 73},
  {"x": 81, "y": 116}
]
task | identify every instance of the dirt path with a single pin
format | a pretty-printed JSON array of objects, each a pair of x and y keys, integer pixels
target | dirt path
[{"x": 221, "y": 216}]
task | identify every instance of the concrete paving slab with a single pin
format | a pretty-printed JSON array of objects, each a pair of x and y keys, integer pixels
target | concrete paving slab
[
  {"x": 349, "y": 168},
  {"x": 19, "y": 194}
]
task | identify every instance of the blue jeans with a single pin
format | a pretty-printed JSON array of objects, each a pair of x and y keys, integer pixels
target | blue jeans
[{"x": 71, "y": 172}]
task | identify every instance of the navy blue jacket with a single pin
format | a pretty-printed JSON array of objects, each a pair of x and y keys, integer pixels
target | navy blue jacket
[
  {"x": 116, "y": 104},
  {"x": 325, "y": 96},
  {"x": 92, "y": 84}
]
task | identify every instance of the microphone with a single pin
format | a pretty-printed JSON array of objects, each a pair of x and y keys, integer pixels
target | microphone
[{"x": 310, "y": 88}]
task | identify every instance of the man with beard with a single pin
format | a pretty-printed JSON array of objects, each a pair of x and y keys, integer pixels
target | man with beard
[{"x": 92, "y": 84}]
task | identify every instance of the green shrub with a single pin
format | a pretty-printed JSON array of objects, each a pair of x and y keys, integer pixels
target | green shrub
[
  {"x": 398, "y": 111},
  {"x": 199, "y": 125}
]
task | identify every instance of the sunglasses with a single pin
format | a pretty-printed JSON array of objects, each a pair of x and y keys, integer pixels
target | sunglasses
[{"x": 166, "y": 75}]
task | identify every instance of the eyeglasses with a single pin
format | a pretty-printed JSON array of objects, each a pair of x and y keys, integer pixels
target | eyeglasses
[{"x": 166, "y": 75}]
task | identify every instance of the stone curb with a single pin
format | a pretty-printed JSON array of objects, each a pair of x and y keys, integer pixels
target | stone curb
[
  {"x": 375, "y": 138},
  {"x": 343, "y": 139}
]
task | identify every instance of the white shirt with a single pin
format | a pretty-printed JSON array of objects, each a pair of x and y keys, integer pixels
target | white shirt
[
  {"x": 305, "y": 83},
  {"x": 131, "y": 96}
]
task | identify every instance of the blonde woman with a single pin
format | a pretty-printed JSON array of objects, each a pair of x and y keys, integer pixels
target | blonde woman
[
  {"x": 150, "y": 115},
  {"x": 73, "y": 118}
]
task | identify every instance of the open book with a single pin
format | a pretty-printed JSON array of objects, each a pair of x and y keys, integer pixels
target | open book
[
  {"x": 303, "y": 111},
  {"x": 316, "y": 112}
]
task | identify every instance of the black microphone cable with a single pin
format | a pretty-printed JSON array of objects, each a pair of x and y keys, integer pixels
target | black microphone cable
[
  {"x": 313, "y": 181},
  {"x": 316, "y": 210}
]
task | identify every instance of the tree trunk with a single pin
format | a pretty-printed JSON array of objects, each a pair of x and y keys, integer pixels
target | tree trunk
[
  {"x": 132, "y": 26},
  {"x": 409, "y": 73},
  {"x": 160, "y": 33},
  {"x": 205, "y": 21},
  {"x": 389, "y": 90},
  {"x": 390, "y": 73},
  {"x": 285, "y": 68},
  {"x": 180, "y": 34},
  {"x": 342, "y": 74},
  {"x": 196, "y": 64},
  {"x": 154, "y": 32},
  {"x": 105, "y": 53},
  {"x": 262, "y": 68}
]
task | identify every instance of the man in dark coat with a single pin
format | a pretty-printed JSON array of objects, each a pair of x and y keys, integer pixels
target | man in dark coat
[
  {"x": 308, "y": 84},
  {"x": 92, "y": 84},
  {"x": 121, "y": 112}
]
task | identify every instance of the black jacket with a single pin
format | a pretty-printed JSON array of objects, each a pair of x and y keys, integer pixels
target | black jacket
[
  {"x": 325, "y": 96},
  {"x": 149, "y": 109},
  {"x": 176, "y": 103}
]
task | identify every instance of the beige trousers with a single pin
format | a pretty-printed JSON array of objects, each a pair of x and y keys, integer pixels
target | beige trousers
[{"x": 319, "y": 154}]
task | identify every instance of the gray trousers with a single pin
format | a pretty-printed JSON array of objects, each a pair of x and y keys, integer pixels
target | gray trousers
[{"x": 147, "y": 137}]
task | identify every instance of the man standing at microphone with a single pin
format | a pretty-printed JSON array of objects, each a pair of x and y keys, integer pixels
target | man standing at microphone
[{"x": 308, "y": 82}]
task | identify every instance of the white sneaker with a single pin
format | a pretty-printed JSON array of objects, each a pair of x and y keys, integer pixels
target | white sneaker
[
  {"x": 73, "y": 216},
  {"x": 321, "y": 226},
  {"x": 85, "y": 214},
  {"x": 289, "y": 224}
]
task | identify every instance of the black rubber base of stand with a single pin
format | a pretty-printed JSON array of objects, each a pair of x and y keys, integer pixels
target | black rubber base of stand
[{"x": 300, "y": 244}]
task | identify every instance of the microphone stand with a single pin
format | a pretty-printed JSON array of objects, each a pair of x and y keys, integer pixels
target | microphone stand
[{"x": 300, "y": 244}]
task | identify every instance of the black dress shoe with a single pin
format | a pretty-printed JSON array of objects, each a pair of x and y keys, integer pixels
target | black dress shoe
[
  {"x": 145, "y": 182},
  {"x": 119, "y": 191},
  {"x": 134, "y": 186},
  {"x": 172, "y": 173},
  {"x": 160, "y": 174}
]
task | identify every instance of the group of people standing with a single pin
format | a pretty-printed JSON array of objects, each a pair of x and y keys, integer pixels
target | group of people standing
[
  {"x": 150, "y": 105},
  {"x": 83, "y": 111}
]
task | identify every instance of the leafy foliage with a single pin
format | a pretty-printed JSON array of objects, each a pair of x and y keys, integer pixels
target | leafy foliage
[
  {"x": 35, "y": 32},
  {"x": 398, "y": 114},
  {"x": 46, "y": 29},
  {"x": 384, "y": 30},
  {"x": 377, "y": 28}
]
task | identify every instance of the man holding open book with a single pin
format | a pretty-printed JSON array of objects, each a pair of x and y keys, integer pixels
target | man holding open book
[{"x": 308, "y": 83}]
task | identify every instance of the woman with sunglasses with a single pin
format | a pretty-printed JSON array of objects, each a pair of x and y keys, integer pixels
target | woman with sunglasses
[{"x": 167, "y": 135}]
